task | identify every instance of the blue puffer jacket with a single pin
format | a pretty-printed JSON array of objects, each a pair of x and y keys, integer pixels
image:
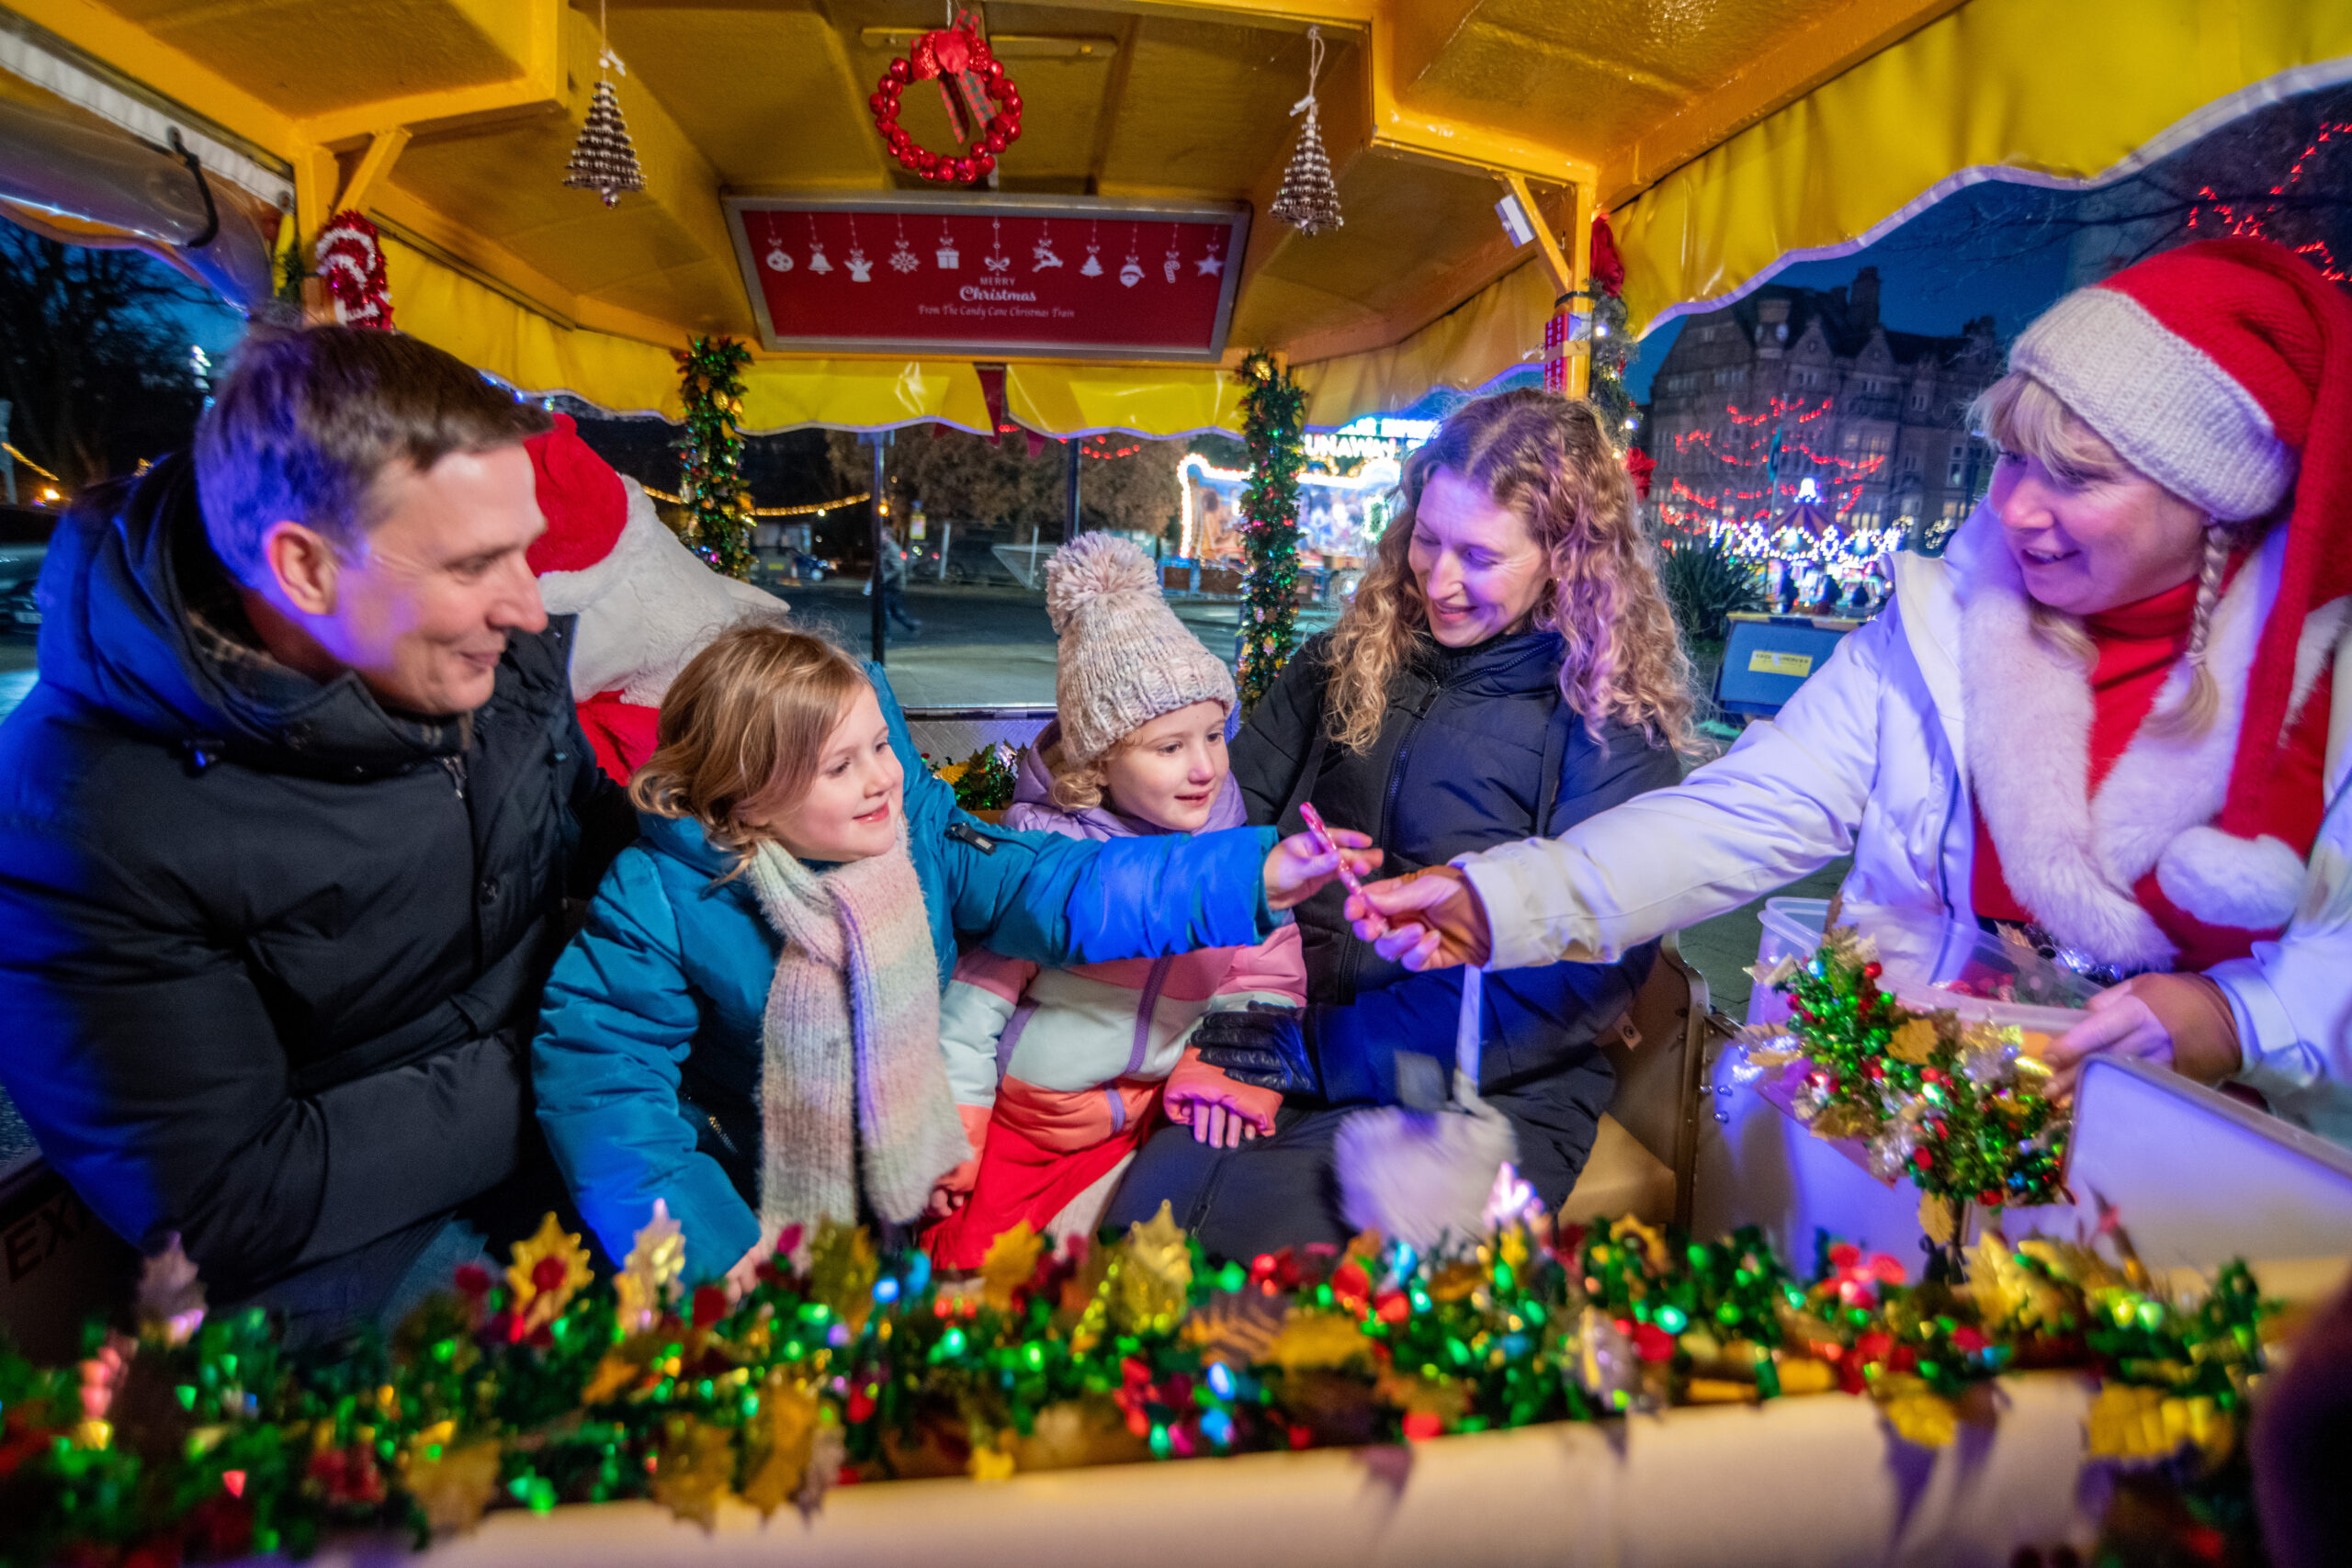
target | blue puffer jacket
[{"x": 647, "y": 1064}]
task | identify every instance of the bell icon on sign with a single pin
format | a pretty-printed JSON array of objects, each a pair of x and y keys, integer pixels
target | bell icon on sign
[
  {"x": 860, "y": 269},
  {"x": 779, "y": 260},
  {"x": 817, "y": 261},
  {"x": 1132, "y": 273},
  {"x": 947, "y": 257},
  {"x": 1092, "y": 266}
]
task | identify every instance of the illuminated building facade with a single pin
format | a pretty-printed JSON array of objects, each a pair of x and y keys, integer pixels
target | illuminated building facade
[{"x": 1795, "y": 384}]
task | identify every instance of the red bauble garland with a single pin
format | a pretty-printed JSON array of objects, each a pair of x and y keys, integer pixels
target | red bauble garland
[{"x": 982, "y": 103}]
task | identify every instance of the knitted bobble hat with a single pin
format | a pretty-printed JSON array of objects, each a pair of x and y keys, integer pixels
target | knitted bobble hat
[
  {"x": 1124, "y": 658},
  {"x": 2222, "y": 370}
]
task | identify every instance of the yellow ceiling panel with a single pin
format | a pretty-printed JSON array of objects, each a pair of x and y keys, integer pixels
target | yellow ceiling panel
[
  {"x": 1580, "y": 77},
  {"x": 308, "y": 56},
  {"x": 1407, "y": 224},
  {"x": 1206, "y": 107},
  {"x": 768, "y": 97}
]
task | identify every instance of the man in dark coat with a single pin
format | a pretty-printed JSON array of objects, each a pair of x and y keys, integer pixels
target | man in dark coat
[{"x": 286, "y": 831}]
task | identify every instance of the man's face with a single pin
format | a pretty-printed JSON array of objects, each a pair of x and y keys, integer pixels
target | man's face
[{"x": 421, "y": 613}]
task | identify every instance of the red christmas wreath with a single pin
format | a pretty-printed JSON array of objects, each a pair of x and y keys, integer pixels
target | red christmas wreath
[{"x": 983, "y": 104}]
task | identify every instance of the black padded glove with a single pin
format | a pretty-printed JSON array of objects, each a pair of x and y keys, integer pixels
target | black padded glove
[{"x": 1263, "y": 1047}]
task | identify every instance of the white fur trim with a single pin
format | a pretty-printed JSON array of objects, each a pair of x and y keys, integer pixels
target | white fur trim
[
  {"x": 2161, "y": 401},
  {"x": 2160, "y": 790},
  {"x": 645, "y": 609},
  {"x": 1422, "y": 1177},
  {"x": 2028, "y": 713},
  {"x": 2251, "y": 883}
]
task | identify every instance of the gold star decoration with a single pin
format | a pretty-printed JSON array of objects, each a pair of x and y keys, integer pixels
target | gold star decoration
[{"x": 546, "y": 1271}]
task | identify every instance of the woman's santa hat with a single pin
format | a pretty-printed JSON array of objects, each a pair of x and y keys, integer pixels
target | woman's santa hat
[
  {"x": 2222, "y": 370},
  {"x": 645, "y": 603}
]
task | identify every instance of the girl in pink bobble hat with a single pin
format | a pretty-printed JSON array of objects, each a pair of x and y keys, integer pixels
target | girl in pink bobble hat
[
  {"x": 1059, "y": 1074},
  {"x": 2114, "y": 717}
]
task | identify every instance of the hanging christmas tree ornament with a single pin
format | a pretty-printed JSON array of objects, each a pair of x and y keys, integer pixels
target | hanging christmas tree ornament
[
  {"x": 903, "y": 259},
  {"x": 860, "y": 269},
  {"x": 1092, "y": 266},
  {"x": 601, "y": 159},
  {"x": 1310, "y": 201},
  {"x": 351, "y": 259},
  {"x": 983, "y": 104}
]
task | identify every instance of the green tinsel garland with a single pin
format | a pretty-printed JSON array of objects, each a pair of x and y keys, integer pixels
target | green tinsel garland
[
  {"x": 710, "y": 453},
  {"x": 548, "y": 1385},
  {"x": 1274, "y": 408}
]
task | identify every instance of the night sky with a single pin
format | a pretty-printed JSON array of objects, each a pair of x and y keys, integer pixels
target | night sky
[{"x": 1985, "y": 250}]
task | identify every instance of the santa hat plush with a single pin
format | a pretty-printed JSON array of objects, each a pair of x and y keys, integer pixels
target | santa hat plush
[
  {"x": 2223, "y": 371},
  {"x": 645, "y": 603}
]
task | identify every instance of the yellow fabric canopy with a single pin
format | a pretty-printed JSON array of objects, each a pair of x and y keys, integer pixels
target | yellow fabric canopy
[
  {"x": 1497, "y": 328},
  {"x": 2062, "y": 93},
  {"x": 1063, "y": 397}
]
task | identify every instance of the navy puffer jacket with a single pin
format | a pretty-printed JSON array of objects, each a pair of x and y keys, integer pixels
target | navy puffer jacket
[{"x": 1476, "y": 748}]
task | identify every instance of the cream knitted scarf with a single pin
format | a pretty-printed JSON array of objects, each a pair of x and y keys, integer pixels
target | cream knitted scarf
[{"x": 851, "y": 1071}]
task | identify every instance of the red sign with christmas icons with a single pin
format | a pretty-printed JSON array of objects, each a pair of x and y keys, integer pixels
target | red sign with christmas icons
[{"x": 1021, "y": 276}]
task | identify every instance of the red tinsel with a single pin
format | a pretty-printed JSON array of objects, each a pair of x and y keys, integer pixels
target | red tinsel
[
  {"x": 351, "y": 259},
  {"x": 1608, "y": 267},
  {"x": 1641, "y": 464}
]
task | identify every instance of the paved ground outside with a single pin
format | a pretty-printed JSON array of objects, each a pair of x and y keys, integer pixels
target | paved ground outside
[{"x": 986, "y": 647}]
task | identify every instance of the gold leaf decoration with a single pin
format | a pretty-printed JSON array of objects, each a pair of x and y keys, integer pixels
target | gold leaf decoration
[
  {"x": 648, "y": 1281},
  {"x": 783, "y": 1438},
  {"x": 1011, "y": 1262},
  {"x": 1915, "y": 1043},
  {"x": 697, "y": 1466},
  {"x": 452, "y": 1482},
  {"x": 841, "y": 1270},
  {"x": 1317, "y": 1339}
]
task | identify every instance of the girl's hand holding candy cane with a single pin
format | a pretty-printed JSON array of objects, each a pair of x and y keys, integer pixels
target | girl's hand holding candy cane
[{"x": 1299, "y": 867}]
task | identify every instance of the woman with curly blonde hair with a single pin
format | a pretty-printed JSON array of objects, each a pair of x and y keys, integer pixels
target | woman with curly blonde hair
[{"x": 1508, "y": 667}]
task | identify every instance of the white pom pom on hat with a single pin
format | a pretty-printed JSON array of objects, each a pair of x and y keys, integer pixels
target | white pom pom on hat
[{"x": 1124, "y": 658}]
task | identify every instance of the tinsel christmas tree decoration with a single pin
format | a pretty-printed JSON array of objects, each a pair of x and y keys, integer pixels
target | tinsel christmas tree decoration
[
  {"x": 1309, "y": 199},
  {"x": 1275, "y": 423},
  {"x": 1955, "y": 1107},
  {"x": 601, "y": 159}
]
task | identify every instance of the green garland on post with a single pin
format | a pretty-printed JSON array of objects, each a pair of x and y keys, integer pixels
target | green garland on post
[
  {"x": 710, "y": 453},
  {"x": 1274, "y": 407}
]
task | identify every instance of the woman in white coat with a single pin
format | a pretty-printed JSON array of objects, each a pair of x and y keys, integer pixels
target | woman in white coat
[{"x": 2113, "y": 715}]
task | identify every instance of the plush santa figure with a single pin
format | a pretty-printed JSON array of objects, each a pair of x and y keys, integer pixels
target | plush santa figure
[{"x": 646, "y": 603}]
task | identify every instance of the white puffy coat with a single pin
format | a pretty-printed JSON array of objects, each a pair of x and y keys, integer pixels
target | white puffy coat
[{"x": 1866, "y": 759}]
